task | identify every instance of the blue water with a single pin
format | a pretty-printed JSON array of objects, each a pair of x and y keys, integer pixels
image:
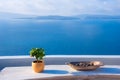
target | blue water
[{"x": 57, "y": 37}]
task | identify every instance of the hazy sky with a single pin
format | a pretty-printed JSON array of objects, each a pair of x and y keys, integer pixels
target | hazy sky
[{"x": 61, "y": 7}]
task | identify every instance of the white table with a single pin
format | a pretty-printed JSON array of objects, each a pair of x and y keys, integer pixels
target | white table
[{"x": 26, "y": 72}]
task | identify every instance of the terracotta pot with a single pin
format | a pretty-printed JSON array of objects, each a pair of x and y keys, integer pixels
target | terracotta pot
[{"x": 38, "y": 66}]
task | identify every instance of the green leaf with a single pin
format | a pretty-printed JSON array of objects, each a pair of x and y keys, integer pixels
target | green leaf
[{"x": 38, "y": 53}]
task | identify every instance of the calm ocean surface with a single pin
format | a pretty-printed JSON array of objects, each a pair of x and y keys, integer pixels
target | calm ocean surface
[{"x": 60, "y": 37}]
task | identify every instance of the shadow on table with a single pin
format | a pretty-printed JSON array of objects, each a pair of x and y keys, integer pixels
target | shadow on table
[
  {"x": 1, "y": 68},
  {"x": 101, "y": 71},
  {"x": 55, "y": 72},
  {"x": 109, "y": 70}
]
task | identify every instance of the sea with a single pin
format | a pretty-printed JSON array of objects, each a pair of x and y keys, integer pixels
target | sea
[{"x": 60, "y": 37}]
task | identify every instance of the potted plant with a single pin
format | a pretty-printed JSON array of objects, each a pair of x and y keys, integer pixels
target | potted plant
[{"x": 38, "y": 64}]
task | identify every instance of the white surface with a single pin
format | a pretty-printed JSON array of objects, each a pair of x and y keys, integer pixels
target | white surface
[
  {"x": 26, "y": 72},
  {"x": 62, "y": 56}
]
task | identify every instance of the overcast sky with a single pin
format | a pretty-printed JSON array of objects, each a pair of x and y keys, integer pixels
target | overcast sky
[{"x": 61, "y": 7}]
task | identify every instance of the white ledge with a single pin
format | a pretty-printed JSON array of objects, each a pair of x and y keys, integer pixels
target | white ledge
[{"x": 63, "y": 56}]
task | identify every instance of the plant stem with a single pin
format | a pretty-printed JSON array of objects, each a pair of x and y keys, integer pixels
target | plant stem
[{"x": 37, "y": 60}]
